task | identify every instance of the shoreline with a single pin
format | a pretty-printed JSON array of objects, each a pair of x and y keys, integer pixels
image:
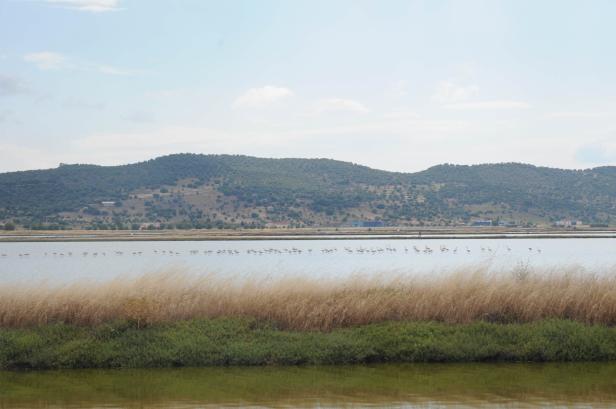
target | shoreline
[{"x": 300, "y": 234}]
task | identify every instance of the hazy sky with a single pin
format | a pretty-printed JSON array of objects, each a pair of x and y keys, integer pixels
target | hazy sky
[{"x": 396, "y": 85}]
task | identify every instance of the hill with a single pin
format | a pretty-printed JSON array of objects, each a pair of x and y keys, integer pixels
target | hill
[{"x": 203, "y": 191}]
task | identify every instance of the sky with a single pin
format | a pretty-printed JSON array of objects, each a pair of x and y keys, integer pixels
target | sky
[{"x": 394, "y": 85}]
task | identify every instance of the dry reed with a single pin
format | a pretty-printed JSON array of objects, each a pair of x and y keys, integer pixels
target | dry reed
[{"x": 305, "y": 304}]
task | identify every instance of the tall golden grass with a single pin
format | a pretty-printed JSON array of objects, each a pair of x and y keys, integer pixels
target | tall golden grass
[{"x": 310, "y": 304}]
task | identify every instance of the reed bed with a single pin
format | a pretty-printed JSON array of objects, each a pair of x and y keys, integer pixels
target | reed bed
[{"x": 460, "y": 297}]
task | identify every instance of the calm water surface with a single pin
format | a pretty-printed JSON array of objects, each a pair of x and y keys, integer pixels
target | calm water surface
[
  {"x": 409, "y": 386},
  {"x": 66, "y": 261},
  {"x": 590, "y": 385}
]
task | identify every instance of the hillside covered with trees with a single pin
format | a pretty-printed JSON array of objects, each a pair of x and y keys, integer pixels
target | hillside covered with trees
[{"x": 206, "y": 191}]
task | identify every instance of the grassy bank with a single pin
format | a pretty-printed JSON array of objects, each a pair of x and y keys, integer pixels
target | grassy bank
[
  {"x": 166, "y": 320},
  {"x": 224, "y": 341}
]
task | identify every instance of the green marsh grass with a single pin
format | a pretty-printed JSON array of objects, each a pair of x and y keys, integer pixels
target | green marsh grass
[
  {"x": 175, "y": 319},
  {"x": 247, "y": 342}
]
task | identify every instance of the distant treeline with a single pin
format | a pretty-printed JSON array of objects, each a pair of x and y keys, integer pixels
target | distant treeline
[{"x": 293, "y": 191}]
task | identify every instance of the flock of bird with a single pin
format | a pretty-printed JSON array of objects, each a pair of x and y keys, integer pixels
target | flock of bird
[{"x": 279, "y": 251}]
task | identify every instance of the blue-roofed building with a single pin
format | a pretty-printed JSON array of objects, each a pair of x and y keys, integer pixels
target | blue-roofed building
[{"x": 368, "y": 223}]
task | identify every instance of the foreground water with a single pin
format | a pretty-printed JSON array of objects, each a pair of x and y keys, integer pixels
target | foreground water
[
  {"x": 66, "y": 261},
  {"x": 419, "y": 385}
]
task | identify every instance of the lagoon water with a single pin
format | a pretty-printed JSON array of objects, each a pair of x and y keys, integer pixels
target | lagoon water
[
  {"x": 68, "y": 261},
  {"x": 485, "y": 385},
  {"x": 586, "y": 385}
]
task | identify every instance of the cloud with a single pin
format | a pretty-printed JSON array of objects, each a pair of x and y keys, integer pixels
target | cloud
[
  {"x": 340, "y": 105},
  {"x": 92, "y": 6},
  {"x": 488, "y": 105},
  {"x": 11, "y": 86},
  {"x": 448, "y": 93},
  {"x": 453, "y": 96},
  {"x": 262, "y": 97},
  {"x": 110, "y": 70},
  {"x": 47, "y": 60},
  {"x": 576, "y": 115}
]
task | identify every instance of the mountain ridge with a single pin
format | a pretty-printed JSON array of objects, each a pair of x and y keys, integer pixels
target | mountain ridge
[{"x": 197, "y": 190}]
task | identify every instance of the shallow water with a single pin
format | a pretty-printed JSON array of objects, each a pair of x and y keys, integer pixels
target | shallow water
[
  {"x": 67, "y": 261},
  {"x": 413, "y": 385}
]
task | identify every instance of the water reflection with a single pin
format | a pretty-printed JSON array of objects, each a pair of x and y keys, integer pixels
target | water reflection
[{"x": 424, "y": 385}]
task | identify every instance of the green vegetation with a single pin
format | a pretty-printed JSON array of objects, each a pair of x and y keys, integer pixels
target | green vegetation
[
  {"x": 224, "y": 341},
  {"x": 252, "y": 192}
]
